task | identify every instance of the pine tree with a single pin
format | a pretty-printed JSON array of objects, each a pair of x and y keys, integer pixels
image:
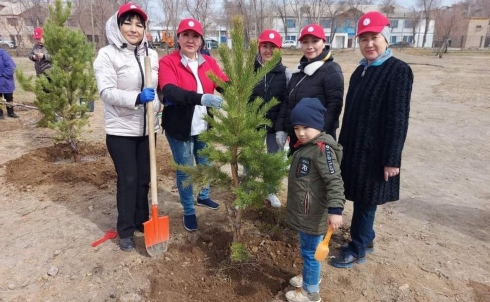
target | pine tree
[
  {"x": 236, "y": 136},
  {"x": 70, "y": 79}
]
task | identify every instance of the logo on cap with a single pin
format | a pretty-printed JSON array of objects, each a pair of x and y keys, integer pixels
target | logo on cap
[
  {"x": 191, "y": 23},
  {"x": 271, "y": 36},
  {"x": 366, "y": 22},
  {"x": 310, "y": 29},
  {"x": 133, "y": 7}
]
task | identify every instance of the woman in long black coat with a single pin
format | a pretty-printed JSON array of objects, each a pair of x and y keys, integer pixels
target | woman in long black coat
[{"x": 373, "y": 133}]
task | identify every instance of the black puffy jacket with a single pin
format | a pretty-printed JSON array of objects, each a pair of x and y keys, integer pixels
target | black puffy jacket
[
  {"x": 320, "y": 78},
  {"x": 274, "y": 84}
]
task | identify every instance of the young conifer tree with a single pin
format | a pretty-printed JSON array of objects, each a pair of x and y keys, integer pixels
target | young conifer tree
[
  {"x": 236, "y": 136},
  {"x": 70, "y": 79}
]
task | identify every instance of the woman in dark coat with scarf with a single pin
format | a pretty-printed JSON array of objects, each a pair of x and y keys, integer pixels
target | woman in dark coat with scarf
[
  {"x": 374, "y": 128},
  {"x": 274, "y": 84},
  {"x": 317, "y": 76}
]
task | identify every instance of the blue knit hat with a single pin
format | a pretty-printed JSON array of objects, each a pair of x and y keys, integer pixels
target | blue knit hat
[{"x": 309, "y": 112}]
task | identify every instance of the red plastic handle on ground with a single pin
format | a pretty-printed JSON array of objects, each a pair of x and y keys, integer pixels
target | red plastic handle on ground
[{"x": 108, "y": 235}]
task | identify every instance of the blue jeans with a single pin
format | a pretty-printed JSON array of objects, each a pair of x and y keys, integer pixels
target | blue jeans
[
  {"x": 184, "y": 153},
  {"x": 361, "y": 229},
  {"x": 311, "y": 267}
]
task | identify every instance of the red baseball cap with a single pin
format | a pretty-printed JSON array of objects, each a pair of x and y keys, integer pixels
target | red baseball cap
[
  {"x": 372, "y": 22},
  {"x": 132, "y": 7},
  {"x": 38, "y": 33},
  {"x": 313, "y": 30},
  {"x": 190, "y": 24},
  {"x": 272, "y": 36}
]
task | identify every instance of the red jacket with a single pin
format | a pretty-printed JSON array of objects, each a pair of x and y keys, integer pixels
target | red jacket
[{"x": 179, "y": 86}]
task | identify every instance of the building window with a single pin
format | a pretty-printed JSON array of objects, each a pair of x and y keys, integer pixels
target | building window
[
  {"x": 392, "y": 39},
  {"x": 306, "y": 21},
  {"x": 290, "y": 23},
  {"x": 12, "y": 21},
  {"x": 290, "y": 38},
  {"x": 325, "y": 23},
  {"x": 408, "y": 39},
  {"x": 408, "y": 24},
  {"x": 394, "y": 23}
]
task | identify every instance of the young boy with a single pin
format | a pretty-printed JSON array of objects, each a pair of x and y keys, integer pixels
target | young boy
[{"x": 315, "y": 193}]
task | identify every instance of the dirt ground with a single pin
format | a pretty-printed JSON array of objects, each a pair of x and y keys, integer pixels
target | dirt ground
[{"x": 432, "y": 245}]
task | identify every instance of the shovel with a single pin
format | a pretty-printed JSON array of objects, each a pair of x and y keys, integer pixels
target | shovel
[
  {"x": 157, "y": 228},
  {"x": 322, "y": 249},
  {"x": 108, "y": 235}
]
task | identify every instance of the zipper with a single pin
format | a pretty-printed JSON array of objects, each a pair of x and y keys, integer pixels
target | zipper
[{"x": 306, "y": 203}]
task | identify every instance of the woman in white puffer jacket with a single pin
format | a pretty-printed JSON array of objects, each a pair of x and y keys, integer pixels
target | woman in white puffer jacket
[{"x": 120, "y": 74}]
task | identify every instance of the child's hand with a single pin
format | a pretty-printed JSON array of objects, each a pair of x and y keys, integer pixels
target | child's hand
[{"x": 335, "y": 221}]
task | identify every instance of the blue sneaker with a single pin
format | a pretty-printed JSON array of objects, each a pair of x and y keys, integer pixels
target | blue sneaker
[
  {"x": 190, "y": 222},
  {"x": 208, "y": 202},
  {"x": 346, "y": 259}
]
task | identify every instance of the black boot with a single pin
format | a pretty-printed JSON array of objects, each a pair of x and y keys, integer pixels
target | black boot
[{"x": 10, "y": 112}]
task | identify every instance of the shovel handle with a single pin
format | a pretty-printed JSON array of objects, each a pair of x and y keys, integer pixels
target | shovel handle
[
  {"x": 151, "y": 134},
  {"x": 326, "y": 240}
]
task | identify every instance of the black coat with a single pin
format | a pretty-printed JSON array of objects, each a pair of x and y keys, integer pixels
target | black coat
[
  {"x": 326, "y": 84},
  {"x": 274, "y": 84},
  {"x": 374, "y": 128}
]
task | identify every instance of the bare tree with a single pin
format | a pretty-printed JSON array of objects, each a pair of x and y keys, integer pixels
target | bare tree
[
  {"x": 414, "y": 17},
  {"x": 34, "y": 12},
  {"x": 199, "y": 10},
  {"x": 13, "y": 24},
  {"x": 427, "y": 7},
  {"x": 356, "y": 10},
  {"x": 280, "y": 7},
  {"x": 172, "y": 11},
  {"x": 144, "y": 4},
  {"x": 446, "y": 22},
  {"x": 334, "y": 9}
]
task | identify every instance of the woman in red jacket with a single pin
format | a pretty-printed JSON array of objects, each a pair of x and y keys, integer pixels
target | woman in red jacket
[{"x": 188, "y": 94}]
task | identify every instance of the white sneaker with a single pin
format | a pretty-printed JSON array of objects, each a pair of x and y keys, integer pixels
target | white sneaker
[
  {"x": 297, "y": 281},
  {"x": 275, "y": 202},
  {"x": 299, "y": 295}
]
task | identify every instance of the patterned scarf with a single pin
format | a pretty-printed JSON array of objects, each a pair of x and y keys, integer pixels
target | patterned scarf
[{"x": 378, "y": 61}]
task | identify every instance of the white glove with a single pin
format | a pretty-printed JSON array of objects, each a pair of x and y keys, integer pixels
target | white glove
[{"x": 281, "y": 137}]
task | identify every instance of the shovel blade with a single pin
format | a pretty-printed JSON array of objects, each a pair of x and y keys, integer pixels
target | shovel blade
[
  {"x": 321, "y": 252},
  {"x": 156, "y": 235}
]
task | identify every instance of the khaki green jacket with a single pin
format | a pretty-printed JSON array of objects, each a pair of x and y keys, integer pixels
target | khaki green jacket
[{"x": 315, "y": 185}]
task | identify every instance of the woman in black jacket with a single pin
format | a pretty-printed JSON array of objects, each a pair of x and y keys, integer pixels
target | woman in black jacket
[
  {"x": 317, "y": 76},
  {"x": 274, "y": 84},
  {"x": 374, "y": 128}
]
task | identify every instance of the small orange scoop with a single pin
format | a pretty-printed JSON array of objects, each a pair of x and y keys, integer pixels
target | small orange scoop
[{"x": 322, "y": 249}]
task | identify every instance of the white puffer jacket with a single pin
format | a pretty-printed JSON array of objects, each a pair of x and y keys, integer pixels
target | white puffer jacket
[{"x": 119, "y": 81}]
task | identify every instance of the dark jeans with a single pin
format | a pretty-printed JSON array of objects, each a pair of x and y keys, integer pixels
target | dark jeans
[
  {"x": 131, "y": 157},
  {"x": 361, "y": 229}
]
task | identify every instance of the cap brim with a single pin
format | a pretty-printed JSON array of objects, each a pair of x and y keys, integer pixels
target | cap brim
[
  {"x": 37, "y": 37},
  {"x": 372, "y": 29},
  {"x": 311, "y": 34},
  {"x": 190, "y": 29}
]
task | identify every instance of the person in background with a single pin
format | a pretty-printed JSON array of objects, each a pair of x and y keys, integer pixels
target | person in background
[
  {"x": 120, "y": 74},
  {"x": 374, "y": 128},
  {"x": 39, "y": 54},
  {"x": 274, "y": 84},
  {"x": 317, "y": 76},
  {"x": 188, "y": 94},
  {"x": 204, "y": 48},
  {"x": 7, "y": 84},
  {"x": 315, "y": 193}
]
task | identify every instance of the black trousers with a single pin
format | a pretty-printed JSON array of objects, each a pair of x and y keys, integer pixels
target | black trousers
[
  {"x": 9, "y": 97},
  {"x": 131, "y": 159}
]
